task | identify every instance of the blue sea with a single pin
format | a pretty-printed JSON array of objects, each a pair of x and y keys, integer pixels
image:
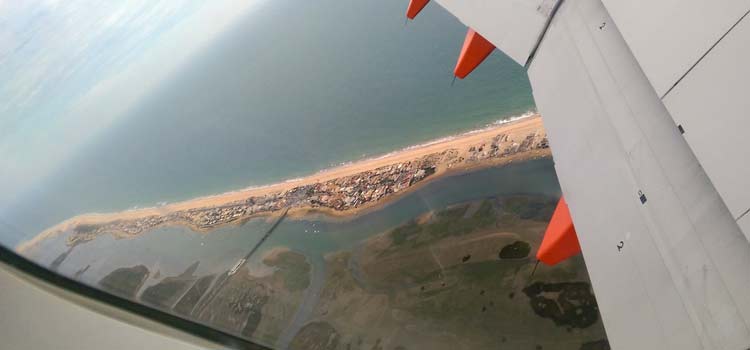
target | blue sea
[{"x": 293, "y": 88}]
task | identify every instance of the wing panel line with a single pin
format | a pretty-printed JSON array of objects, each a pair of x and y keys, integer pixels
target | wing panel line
[{"x": 705, "y": 54}]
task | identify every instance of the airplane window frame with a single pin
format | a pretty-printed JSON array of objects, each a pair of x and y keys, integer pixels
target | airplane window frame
[{"x": 32, "y": 269}]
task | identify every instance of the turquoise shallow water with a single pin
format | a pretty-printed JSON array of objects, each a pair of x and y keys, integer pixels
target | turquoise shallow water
[{"x": 293, "y": 88}]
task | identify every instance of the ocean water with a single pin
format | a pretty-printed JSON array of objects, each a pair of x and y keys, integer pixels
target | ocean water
[{"x": 293, "y": 88}]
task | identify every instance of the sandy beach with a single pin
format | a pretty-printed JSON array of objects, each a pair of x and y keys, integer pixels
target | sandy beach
[{"x": 462, "y": 145}]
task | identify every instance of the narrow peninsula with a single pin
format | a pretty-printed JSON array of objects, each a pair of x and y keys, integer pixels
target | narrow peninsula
[{"x": 342, "y": 191}]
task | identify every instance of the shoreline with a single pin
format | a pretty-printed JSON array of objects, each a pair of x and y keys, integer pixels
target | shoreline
[
  {"x": 347, "y": 190},
  {"x": 299, "y": 212}
]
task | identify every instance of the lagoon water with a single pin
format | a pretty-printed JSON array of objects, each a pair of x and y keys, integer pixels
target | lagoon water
[
  {"x": 293, "y": 88},
  {"x": 170, "y": 250}
]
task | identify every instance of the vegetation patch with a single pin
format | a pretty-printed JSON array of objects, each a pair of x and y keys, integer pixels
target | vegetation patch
[
  {"x": 452, "y": 213},
  {"x": 187, "y": 303},
  {"x": 448, "y": 222},
  {"x": 602, "y": 344},
  {"x": 164, "y": 293},
  {"x": 515, "y": 250},
  {"x": 572, "y": 304},
  {"x": 453, "y": 224},
  {"x": 405, "y": 232},
  {"x": 316, "y": 336},
  {"x": 292, "y": 268},
  {"x": 530, "y": 208},
  {"x": 125, "y": 281}
]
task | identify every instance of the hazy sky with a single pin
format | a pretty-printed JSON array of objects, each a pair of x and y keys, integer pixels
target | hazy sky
[{"x": 68, "y": 69}]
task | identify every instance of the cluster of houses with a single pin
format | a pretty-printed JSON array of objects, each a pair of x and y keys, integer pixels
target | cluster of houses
[
  {"x": 354, "y": 191},
  {"x": 339, "y": 194},
  {"x": 503, "y": 145}
]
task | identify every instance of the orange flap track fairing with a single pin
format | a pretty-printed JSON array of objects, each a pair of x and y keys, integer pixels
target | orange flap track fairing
[
  {"x": 560, "y": 240},
  {"x": 415, "y": 6},
  {"x": 476, "y": 48}
]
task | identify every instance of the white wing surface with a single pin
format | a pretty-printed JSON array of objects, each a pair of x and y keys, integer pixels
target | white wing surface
[
  {"x": 615, "y": 102},
  {"x": 695, "y": 54}
]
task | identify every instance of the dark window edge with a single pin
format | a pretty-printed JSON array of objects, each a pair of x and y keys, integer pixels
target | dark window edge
[{"x": 30, "y": 268}]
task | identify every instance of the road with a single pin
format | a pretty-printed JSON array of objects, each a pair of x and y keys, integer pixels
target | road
[{"x": 222, "y": 279}]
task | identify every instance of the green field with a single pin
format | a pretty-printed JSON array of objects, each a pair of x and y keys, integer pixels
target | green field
[{"x": 457, "y": 278}]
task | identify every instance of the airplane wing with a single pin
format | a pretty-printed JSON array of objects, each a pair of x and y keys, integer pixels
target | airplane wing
[{"x": 645, "y": 106}]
